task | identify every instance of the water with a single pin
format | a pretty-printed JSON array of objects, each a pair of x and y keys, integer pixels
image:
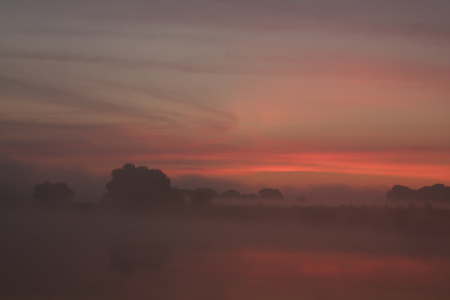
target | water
[{"x": 106, "y": 256}]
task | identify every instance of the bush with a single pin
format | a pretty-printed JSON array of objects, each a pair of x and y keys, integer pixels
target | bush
[{"x": 52, "y": 194}]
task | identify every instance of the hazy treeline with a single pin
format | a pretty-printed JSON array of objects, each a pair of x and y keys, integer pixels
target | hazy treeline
[
  {"x": 134, "y": 188},
  {"x": 139, "y": 189},
  {"x": 437, "y": 192}
]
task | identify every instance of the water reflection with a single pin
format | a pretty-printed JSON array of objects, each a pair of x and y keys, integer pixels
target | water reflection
[
  {"x": 286, "y": 274},
  {"x": 125, "y": 256},
  {"x": 338, "y": 265},
  {"x": 57, "y": 256}
]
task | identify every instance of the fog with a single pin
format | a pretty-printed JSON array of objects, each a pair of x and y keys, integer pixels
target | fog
[
  {"x": 225, "y": 252},
  {"x": 314, "y": 242},
  {"x": 17, "y": 181},
  {"x": 325, "y": 194}
]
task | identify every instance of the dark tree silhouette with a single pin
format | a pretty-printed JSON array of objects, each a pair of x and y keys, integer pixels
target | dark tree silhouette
[
  {"x": 249, "y": 196},
  {"x": 203, "y": 196},
  {"x": 52, "y": 194},
  {"x": 268, "y": 193},
  {"x": 400, "y": 192},
  {"x": 437, "y": 192},
  {"x": 134, "y": 186},
  {"x": 230, "y": 194},
  {"x": 181, "y": 195}
]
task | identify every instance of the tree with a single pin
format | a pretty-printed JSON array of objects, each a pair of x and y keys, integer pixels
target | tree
[
  {"x": 203, "y": 196},
  {"x": 249, "y": 196},
  {"x": 230, "y": 194},
  {"x": 133, "y": 186},
  {"x": 400, "y": 192},
  {"x": 52, "y": 194},
  {"x": 268, "y": 193},
  {"x": 437, "y": 192},
  {"x": 180, "y": 195}
]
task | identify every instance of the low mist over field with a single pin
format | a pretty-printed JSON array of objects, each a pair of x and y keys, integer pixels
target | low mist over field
[
  {"x": 226, "y": 254},
  {"x": 147, "y": 239}
]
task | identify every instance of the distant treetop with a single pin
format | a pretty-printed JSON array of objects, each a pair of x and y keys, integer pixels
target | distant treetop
[
  {"x": 203, "y": 196},
  {"x": 132, "y": 186},
  {"x": 52, "y": 194},
  {"x": 230, "y": 194},
  {"x": 437, "y": 192},
  {"x": 249, "y": 196},
  {"x": 268, "y": 193}
]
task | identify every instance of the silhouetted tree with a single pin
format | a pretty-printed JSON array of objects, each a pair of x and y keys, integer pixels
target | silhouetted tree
[
  {"x": 437, "y": 192},
  {"x": 400, "y": 192},
  {"x": 268, "y": 193},
  {"x": 180, "y": 195},
  {"x": 301, "y": 198},
  {"x": 203, "y": 196},
  {"x": 133, "y": 186},
  {"x": 52, "y": 194},
  {"x": 230, "y": 194},
  {"x": 249, "y": 196}
]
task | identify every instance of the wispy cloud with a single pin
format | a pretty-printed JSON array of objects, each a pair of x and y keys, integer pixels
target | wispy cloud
[
  {"x": 49, "y": 94},
  {"x": 228, "y": 87},
  {"x": 420, "y": 18}
]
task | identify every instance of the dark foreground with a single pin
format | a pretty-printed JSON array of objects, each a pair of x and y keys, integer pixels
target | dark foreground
[{"x": 226, "y": 252}]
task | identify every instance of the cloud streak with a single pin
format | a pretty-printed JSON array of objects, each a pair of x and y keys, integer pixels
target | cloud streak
[
  {"x": 421, "y": 18},
  {"x": 228, "y": 88},
  {"x": 326, "y": 66}
]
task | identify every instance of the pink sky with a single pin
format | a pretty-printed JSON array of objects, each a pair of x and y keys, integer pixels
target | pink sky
[{"x": 331, "y": 91}]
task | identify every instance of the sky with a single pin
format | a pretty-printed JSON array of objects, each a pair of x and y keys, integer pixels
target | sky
[{"x": 268, "y": 93}]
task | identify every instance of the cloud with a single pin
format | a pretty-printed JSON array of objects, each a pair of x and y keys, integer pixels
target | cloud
[
  {"x": 240, "y": 62},
  {"x": 45, "y": 93},
  {"x": 144, "y": 81},
  {"x": 226, "y": 68},
  {"x": 422, "y": 18},
  {"x": 180, "y": 99},
  {"x": 166, "y": 111}
]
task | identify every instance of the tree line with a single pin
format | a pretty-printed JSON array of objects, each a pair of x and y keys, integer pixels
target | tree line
[
  {"x": 132, "y": 187},
  {"x": 437, "y": 192}
]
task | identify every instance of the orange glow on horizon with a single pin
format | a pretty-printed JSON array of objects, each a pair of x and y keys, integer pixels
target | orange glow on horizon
[
  {"x": 364, "y": 163},
  {"x": 430, "y": 165}
]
